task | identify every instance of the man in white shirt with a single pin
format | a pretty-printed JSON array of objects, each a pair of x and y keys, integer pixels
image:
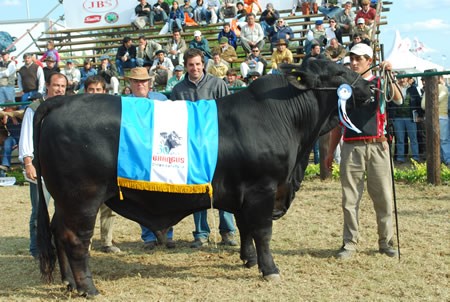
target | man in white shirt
[
  {"x": 73, "y": 77},
  {"x": 251, "y": 34},
  {"x": 162, "y": 68}
]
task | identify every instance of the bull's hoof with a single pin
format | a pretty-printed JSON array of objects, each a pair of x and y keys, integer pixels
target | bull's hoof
[
  {"x": 273, "y": 278},
  {"x": 250, "y": 263},
  {"x": 70, "y": 286}
]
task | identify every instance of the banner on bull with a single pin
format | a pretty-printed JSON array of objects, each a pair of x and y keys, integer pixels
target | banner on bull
[{"x": 167, "y": 146}]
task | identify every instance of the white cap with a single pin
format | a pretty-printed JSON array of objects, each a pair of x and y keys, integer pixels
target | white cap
[
  {"x": 197, "y": 33},
  {"x": 346, "y": 60},
  {"x": 362, "y": 49},
  {"x": 360, "y": 21}
]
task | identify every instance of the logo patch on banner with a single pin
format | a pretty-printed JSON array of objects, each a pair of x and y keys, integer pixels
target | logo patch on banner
[{"x": 168, "y": 146}]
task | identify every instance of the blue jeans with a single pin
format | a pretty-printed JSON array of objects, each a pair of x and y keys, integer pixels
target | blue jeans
[
  {"x": 25, "y": 97},
  {"x": 7, "y": 94},
  {"x": 34, "y": 196},
  {"x": 147, "y": 235},
  {"x": 226, "y": 224},
  {"x": 8, "y": 145},
  {"x": 402, "y": 125},
  {"x": 131, "y": 63},
  {"x": 316, "y": 152},
  {"x": 445, "y": 139},
  {"x": 177, "y": 21}
]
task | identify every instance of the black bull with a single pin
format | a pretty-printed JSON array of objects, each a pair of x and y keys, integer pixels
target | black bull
[{"x": 266, "y": 133}]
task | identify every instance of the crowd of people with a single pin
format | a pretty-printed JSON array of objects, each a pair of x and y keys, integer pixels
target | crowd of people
[{"x": 192, "y": 70}]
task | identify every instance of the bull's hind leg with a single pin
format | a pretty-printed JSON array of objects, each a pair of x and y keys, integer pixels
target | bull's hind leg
[
  {"x": 248, "y": 251},
  {"x": 73, "y": 239}
]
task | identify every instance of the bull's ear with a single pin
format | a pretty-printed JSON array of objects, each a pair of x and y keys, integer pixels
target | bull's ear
[{"x": 297, "y": 77}]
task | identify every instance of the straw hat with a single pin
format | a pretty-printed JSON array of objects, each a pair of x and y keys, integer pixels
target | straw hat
[{"x": 139, "y": 73}]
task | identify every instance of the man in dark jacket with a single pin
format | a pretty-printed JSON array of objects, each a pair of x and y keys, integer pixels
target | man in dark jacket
[{"x": 126, "y": 55}]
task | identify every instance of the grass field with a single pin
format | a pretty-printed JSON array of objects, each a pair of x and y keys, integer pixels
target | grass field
[{"x": 304, "y": 244}]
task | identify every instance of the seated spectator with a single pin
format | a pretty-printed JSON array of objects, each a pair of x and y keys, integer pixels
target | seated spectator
[
  {"x": 176, "y": 78},
  {"x": 200, "y": 11},
  {"x": 142, "y": 11},
  {"x": 280, "y": 31},
  {"x": 253, "y": 7},
  {"x": 162, "y": 68},
  {"x": 160, "y": 12},
  {"x": 212, "y": 11},
  {"x": 346, "y": 18},
  {"x": 229, "y": 34},
  {"x": 175, "y": 48},
  {"x": 145, "y": 53},
  {"x": 73, "y": 76},
  {"x": 281, "y": 55},
  {"x": 86, "y": 71},
  {"x": 330, "y": 8},
  {"x": 315, "y": 35},
  {"x": 367, "y": 13},
  {"x": 363, "y": 30},
  {"x": 228, "y": 9},
  {"x": 268, "y": 18},
  {"x": 306, "y": 6},
  {"x": 241, "y": 13},
  {"x": 176, "y": 16},
  {"x": 108, "y": 71},
  {"x": 356, "y": 38},
  {"x": 333, "y": 31},
  {"x": 314, "y": 54},
  {"x": 217, "y": 67},
  {"x": 226, "y": 51},
  {"x": 253, "y": 62},
  {"x": 50, "y": 51},
  {"x": 126, "y": 91},
  {"x": 232, "y": 80},
  {"x": 202, "y": 44},
  {"x": 335, "y": 52},
  {"x": 251, "y": 34},
  {"x": 252, "y": 76},
  {"x": 188, "y": 9},
  {"x": 50, "y": 66},
  {"x": 126, "y": 55}
]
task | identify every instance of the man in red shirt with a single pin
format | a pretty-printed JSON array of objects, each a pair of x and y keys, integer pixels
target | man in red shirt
[{"x": 367, "y": 13}]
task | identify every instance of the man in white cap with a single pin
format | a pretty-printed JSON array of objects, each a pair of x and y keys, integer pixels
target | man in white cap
[
  {"x": 366, "y": 155},
  {"x": 202, "y": 44},
  {"x": 363, "y": 30}
]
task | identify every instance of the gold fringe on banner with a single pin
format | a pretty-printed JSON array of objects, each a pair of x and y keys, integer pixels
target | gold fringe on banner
[{"x": 163, "y": 187}]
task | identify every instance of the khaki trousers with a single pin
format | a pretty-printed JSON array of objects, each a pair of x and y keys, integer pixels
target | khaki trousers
[{"x": 357, "y": 160}]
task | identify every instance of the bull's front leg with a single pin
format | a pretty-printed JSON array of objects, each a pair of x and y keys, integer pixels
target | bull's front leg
[{"x": 248, "y": 251}]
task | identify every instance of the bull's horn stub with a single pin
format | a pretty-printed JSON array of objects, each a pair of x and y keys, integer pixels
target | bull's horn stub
[{"x": 344, "y": 92}]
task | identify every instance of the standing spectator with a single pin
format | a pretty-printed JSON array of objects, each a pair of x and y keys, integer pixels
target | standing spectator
[
  {"x": 253, "y": 62},
  {"x": 97, "y": 84},
  {"x": 280, "y": 31},
  {"x": 367, "y": 13},
  {"x": 251, "y": 34},
  {"x": 335, "y": 52},
  {"x": 228, "y": 9},
  {"x": 229, "y": 34},
  {"x": 175, "y": 48},
  {"x": 108, "y": 71},
  {"x": 232, "y": 81},
  {"x": 217, "y": 67},
  {"x": 126, "y": 55},
  {"x": 161, "y": 69},
  {"x": 160, "y": 12},
  {"x": 176, "y": 15},
  {"x": 51, "y": 51},
  {"x": 7, "y": 78},
  {"x": 86, "y": 71},
  {"x": 141, "y": 87},
  {"x": 212, "y": 11},
  {"x": 200, "y": 11},
  {"x": 333, "y": 31},
  {"x": 226, "y": 51},
  {"x": 281, "y": 55},
  {"x": 404, "y": 122},
  {"x": 346, "y": 18},
  {"x": 202, "y": 44},
  {"x": 73, "y": 76},
  {"x": 50, "y": 66},
  {"x": 365, "y": 156},
  {"x": 197, "y": 86},
  {"x": 176, "y": 78},
  {"x": 268, "y": 18},
  {"x": 306, "y": 6},
  {"x": 145, "y": 53},
  {"x": 142, "y": 11},
  {"x": 30, "y": 78},
  {"x": 56, "y": 85},
  {"x": 443, "y": 120}
]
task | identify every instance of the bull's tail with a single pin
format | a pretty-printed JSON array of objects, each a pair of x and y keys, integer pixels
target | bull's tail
[{"x": 47, "y": 254}]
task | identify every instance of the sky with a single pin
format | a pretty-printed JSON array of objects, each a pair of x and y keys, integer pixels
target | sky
[{"x": 426, "y": 21}]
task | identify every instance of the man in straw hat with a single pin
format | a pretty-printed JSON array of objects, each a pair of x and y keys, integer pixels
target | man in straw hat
[{"x": 281, "y": 55}]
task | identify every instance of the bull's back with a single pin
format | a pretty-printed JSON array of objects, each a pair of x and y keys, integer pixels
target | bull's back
[{"x": 79, "y": 140}]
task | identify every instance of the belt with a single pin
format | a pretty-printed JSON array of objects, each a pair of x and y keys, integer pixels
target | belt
[{"x": 368, "y": 140}]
